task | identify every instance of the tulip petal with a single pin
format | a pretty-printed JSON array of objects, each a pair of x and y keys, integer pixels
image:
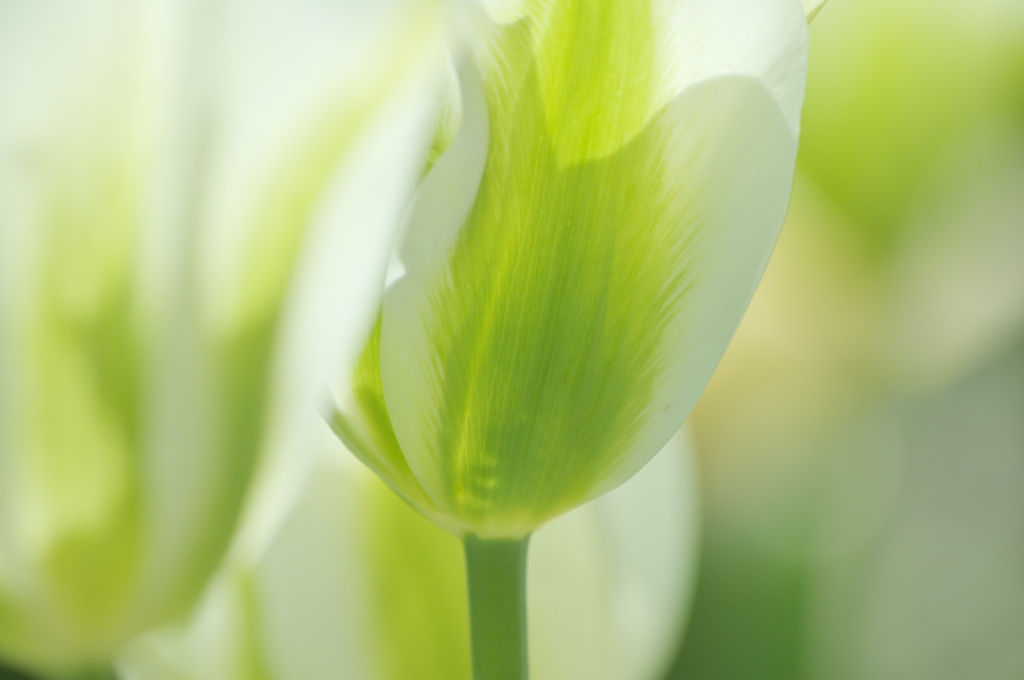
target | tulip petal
[
  {"x": 546, "y": 341},
  {"x": 364, "y": 426},
  {"x": 765, "y": 39},
  {"x": 302, "y": 80},
  {"x": 812, "y": 7},
  {"x": 175, "y": 180},
  {"x": 73, "y": 162},
  {"x": 361, "y": 418},
  {"x": 617, "y": 618},
  {"x": 296, "y": 191}
]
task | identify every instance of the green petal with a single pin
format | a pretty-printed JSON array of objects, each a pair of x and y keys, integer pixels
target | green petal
[
  {"x": 544, "y": 344},
  {"x": 365, "y": 427}
]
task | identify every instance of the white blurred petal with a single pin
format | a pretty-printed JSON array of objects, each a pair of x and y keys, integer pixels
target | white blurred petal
[
  {"x": 357, "y": 585},
  {"x": 609, "y": 583}
]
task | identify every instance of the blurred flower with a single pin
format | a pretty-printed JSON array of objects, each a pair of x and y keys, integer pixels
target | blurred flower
[
  {"x": 576, "y": 260},
  {"x": 172, "y": 199},
  {"x": 894, "y": 87},
  {"x": 915, "y": 283},
  {"x": 921, "y": 550},
  {"x": 896, "y": 276},
  {"x": 358, "y": 585}
]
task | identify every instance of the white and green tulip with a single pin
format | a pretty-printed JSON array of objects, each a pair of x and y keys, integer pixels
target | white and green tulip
[
  {"x": 176, "y": 181},
  {"x": 606, "y": 192}
]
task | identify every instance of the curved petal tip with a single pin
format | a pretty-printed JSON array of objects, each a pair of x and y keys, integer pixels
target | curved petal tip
[{"x": 812, "y": 7}]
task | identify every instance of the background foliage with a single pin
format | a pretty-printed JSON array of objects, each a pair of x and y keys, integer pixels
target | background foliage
[{"x": 862, "y": 443}]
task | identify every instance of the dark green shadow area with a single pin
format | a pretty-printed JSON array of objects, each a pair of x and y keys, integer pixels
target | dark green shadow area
[
  {"x": 11, "y": 674},
  {"x": 7, "y": 673},
  {"x": 746, "y": 622}
]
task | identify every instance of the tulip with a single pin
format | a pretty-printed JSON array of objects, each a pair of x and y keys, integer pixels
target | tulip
[
  {"x": 573, "y": 265},
  {"x": 174, "y": 179},
  {"x": 358, "y": 585}
]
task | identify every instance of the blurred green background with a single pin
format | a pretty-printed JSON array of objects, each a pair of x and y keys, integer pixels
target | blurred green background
[{"x": 862, "y": 443}]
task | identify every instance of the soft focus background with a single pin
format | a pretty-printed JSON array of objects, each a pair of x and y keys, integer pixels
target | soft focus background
[{"x": 862, "y": 443}]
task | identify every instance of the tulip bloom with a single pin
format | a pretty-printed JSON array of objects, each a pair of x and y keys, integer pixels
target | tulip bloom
[
  {"x": 357, "y": 585},
  {"x": 577, "y": 259},
  {"x": 574, "y": 264},
  {"x": 172, "y": 179}
]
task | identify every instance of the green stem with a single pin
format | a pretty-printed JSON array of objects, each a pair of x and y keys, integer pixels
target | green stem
[{"x": 496, "y": 572}]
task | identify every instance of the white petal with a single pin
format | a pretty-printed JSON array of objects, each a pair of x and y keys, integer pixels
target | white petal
[
  {"x": 300, "y": 79},
  {"x": 505, "y": 11},
  {"x": 764, "y": 39},
  {"x": 436, "y": 214},
  {"x": 609, "y": 583},
  {"x": 736, "y": 157},
  {"x": 338, "y": 289}
]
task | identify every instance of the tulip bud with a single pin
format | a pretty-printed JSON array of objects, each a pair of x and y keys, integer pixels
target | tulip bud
[
  {"x": 576, "y": 260},
  {"x": 165, "y": 169}
]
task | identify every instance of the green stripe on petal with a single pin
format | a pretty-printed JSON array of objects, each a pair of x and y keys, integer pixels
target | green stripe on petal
[
  {"x": 365, "y": 428},
  {"x": 541, "y": 349},
  {"x": 595, "y": 64},
  {"x": 79, "y": 475}
]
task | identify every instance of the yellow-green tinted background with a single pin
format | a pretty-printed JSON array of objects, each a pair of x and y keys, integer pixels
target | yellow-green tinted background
[{"x": 862, "y": 443}]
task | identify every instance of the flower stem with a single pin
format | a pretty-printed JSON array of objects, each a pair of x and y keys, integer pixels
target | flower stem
[{"x": 496, "y": 572}]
